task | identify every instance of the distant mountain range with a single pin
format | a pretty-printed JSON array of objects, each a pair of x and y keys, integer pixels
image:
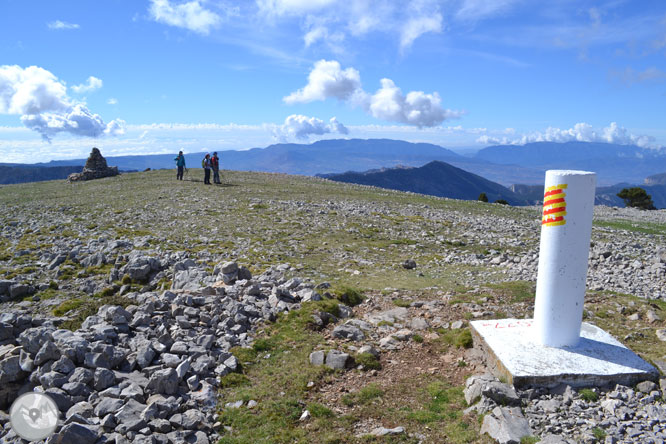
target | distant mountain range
[
  {"x": 435, "y": 178},
  {"x": 502, "y": 164},
  {"x": 326, "y": 157},
  {"x": 612, "y": 163},
  {"x": 27, "y": 173},
  {"x": 604, "y": 195}
]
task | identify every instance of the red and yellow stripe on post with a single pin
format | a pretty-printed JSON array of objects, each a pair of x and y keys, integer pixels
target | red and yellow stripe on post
[{"x": 554, "y": 206}]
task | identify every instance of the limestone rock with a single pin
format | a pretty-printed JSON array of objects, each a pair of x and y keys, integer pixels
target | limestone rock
[{"x": 507, "y": 425}]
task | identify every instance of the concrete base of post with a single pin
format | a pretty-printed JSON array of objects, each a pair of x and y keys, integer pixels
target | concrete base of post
[{"x": 596, "y": 360}]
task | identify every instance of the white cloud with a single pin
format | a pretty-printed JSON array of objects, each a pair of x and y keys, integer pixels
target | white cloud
[
  {"x": 416, "y": 27},
  {"x": 292, "y": 7},
  {"x": 91, "y": 84},
  {"x": 472, "y": 10},
  {"x": 112, "y": 101},
  {"x": 630, "y": 76},
  {"x": 302, "y": 127},
  {"x": 62, "y": 25},
  {"x": 581, "y": 132},
  {"x": 190, "y": 15},
  {"x": 42, "y": 102},
  {"x": 416, "y": 108},
  {"x": 333, "y": 21},
  {"x": 328, "y": 80}
]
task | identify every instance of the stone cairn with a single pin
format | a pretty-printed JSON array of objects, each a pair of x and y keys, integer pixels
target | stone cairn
[{"x": 95, "y": 168}]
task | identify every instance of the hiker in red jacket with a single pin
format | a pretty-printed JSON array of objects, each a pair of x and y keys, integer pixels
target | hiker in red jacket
[{"x": 215, "y": 164}]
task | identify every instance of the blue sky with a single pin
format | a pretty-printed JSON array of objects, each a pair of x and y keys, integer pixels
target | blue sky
[{"x": 135, "y": 77}]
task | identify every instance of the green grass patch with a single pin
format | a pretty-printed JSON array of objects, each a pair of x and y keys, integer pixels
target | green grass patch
[
  {"x": 589, "y": 395},
  {"x": 401, "y": 303},
  {"x": 320, "y": 411},
  {"x": 85, "y": 306},
  {"x": 364, "y": 396},
  {"x": 515, "y": 291},
  {"x": 529, "y": 440},
  {"x": 368, "y": 361},
  {"x": 599, "y": 433},
  {"x": 628, "y": 225},
  {"x": 233, "y": 380},
  {"x": 460, "y": 338},
  {"x": 442, "y": 409},
  {"x": 349, "y": 295}
]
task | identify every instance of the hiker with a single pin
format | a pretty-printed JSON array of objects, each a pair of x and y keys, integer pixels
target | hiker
[
  {"x": 180, "y": 163},
  {"x": 205, "y": 163},
  {"x": 215, "y": 164}
]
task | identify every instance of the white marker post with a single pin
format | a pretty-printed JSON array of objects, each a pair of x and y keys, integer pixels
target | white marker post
[{"x": 566, "y": 228}]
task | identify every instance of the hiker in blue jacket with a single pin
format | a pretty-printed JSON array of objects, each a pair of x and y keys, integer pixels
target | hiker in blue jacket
[{"x": 180, "y": 163}]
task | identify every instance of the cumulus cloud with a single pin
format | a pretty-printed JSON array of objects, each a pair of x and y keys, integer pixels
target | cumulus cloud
[
  {"x": 62, "y": 25},
  {"x": 112, "y": 101},
  {"x": 328, "y": 80},
  {"x": 41, "y": 100},
  {"x": 189, "y": 15},
  {"x": 581, "y": 132},
  {"x": 416, "y": 108},
  {"x": 302, "y": 127},
  {"x": 91, "y": 84}
]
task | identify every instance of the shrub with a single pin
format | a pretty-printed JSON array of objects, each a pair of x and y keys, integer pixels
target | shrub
[
  {"x": 589, "y": 395},
  {"x": 349, "y": 296},
  {"x": 483, "y": 197},
  {"x": 598, "y": 433},
  {"x": 320, "y": 411},
  {"x": 368, "y": 361},
  {"x": 126, "y": 280},
  {"x": 636, "y": 197},
  {"x": 501, "y": 202}
]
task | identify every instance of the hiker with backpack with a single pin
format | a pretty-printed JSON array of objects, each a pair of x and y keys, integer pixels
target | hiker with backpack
[
  {"x": 180, "y": 163},
  {"x": 206, "y": 165},
  {"x": 215, "y": 164}
]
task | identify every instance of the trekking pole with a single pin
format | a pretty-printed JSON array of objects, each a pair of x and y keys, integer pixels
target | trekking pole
[{"x": 187, "y": 174}]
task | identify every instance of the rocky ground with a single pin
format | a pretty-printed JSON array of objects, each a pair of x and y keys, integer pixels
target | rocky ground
[{"x": 123, "y": 300}]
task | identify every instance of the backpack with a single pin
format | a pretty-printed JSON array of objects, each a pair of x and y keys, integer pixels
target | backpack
[{"x": 203, "y": 162}]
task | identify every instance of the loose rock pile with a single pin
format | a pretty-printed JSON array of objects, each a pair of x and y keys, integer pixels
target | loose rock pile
[
  {"x": 146, "y": 373},
  {"x": 564, "y": 415},
  {"x": 95, "y": 168}
]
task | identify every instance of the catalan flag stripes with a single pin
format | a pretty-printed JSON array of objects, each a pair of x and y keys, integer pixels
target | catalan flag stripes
[{"x": 554, "y": 206}]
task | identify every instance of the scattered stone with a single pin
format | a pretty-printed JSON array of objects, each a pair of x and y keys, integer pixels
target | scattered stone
[
  {"x": 382, "y": 431},
  {"x": 338, "y": 360},
  {"x": 409, "y": 264},
  {"x": 507, "y": 425}
]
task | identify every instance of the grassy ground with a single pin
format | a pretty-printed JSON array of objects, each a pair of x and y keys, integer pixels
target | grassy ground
[{"x": 346, "y": 235}]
